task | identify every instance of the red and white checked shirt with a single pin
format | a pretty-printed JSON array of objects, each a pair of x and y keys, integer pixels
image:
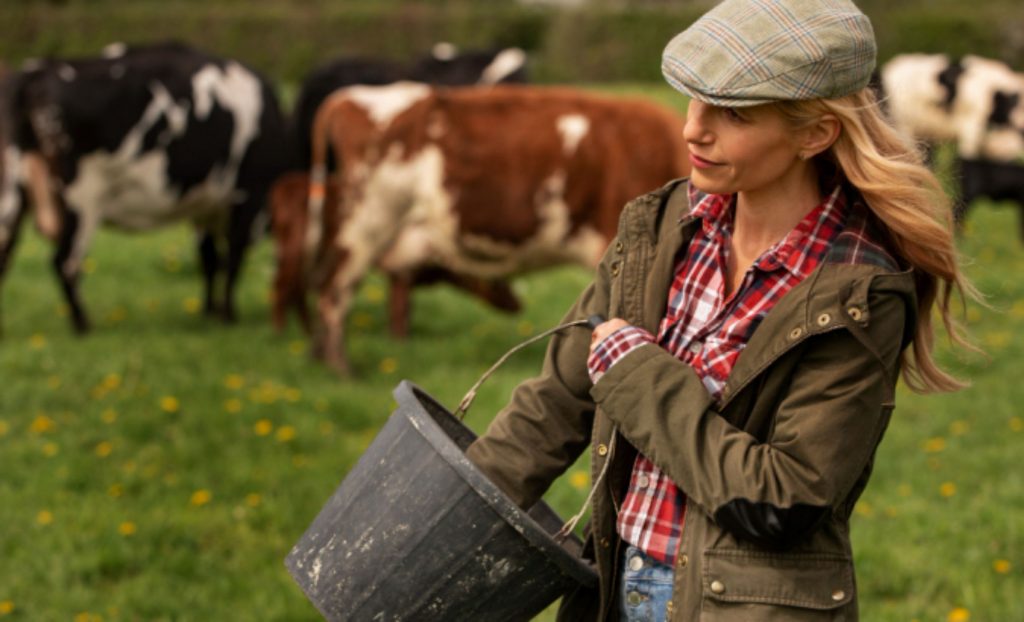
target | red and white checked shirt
[{"x": 708, "y": 331}]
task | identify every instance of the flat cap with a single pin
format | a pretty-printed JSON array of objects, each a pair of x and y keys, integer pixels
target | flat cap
[{"x": 749, "y": 52}]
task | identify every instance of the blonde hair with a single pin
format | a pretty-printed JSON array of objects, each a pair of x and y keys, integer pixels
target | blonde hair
[{"x": 904, "y": 194}]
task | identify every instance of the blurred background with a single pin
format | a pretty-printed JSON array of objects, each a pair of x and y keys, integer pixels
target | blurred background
[{"x": 162, "y": 466}]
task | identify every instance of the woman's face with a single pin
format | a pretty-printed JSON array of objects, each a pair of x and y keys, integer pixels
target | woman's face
[{"x": 740, "y": 149}]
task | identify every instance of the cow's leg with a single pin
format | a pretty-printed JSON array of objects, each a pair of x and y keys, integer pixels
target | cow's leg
[
  {"x": 209, "y": 261},
  {"x": 72, "y": 242},
  {"x": 240, "y": 232},
  {"x": 399, "y": 304},
  {"x": 10, "y": 231}
]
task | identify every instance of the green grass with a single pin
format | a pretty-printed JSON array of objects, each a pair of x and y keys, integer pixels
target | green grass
[{"x": 162, "y": 467}]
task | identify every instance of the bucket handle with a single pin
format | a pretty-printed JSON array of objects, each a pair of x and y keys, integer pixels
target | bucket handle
[
  {"x": 464, "y": 405},
  {"x": 467, "y": 400}
]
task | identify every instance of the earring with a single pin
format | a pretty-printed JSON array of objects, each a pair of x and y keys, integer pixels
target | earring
[{"x": 803, "y": 156}]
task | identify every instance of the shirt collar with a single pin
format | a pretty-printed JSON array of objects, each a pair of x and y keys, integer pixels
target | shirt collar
[{"x": 810, "y": 236}]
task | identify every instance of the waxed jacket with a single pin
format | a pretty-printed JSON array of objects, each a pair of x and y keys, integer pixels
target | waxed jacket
[{"x": 771, "y": 470}]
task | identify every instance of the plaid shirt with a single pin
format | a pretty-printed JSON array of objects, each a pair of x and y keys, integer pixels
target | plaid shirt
[{"x": 707, "y": 330}]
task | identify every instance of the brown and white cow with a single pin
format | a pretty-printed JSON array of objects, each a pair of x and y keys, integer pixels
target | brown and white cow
[
  {"x": 289, "y": 214},
  {"x": 483, "y": 182}
]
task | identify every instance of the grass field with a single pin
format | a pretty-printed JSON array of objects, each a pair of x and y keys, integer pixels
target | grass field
[{"x": 162, "y": 467}]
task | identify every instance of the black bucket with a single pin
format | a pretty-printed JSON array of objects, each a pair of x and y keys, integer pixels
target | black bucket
[{"x": 416, "y": 532}]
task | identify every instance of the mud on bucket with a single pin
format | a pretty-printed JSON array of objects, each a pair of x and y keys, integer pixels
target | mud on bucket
[{"x": 417, "y": 532}]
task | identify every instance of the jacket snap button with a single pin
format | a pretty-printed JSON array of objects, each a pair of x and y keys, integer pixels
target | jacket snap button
[
  {"x": 615, "y": 269},
  {"x": 602, "y": 450},
  {"x": 636, "y": 563},
  {"x": 854, "y": 313},
  {"x": 618, "y": 247},
  {"x": 633, "y": 598},
  {"x": 824, "y": 319},
  {"x": 838, "y": 595},
  {"x": 717, "y": 587},
  {"x": 796, "y": 332},
  {"x": 683, "y": 560}
]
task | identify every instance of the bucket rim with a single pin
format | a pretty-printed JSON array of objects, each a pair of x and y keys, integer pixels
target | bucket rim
[{"x": 408, "y": 395}]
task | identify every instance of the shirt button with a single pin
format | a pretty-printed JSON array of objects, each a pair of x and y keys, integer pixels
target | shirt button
[
  {"x": 636, "y": 563},
  {"x": 695, "y": 347},
  {"x": 717, "y": 587},
  {"x": 643, "y": 481},
  {"x": 602, "y": 450}
]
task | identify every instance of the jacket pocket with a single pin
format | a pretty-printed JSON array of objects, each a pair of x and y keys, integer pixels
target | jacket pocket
[{"x": 743, "y": 585}]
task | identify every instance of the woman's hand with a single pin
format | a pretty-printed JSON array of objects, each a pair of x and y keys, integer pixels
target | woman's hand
[{"x": 604, "y": 329}]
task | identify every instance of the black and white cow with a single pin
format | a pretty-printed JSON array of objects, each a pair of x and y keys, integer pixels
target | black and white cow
[
  {"x": 997, "y": 181},
  {"x": 143, "y": 137},
  {"x": 974, "y": 102},
  {"x": 445, "y": 65}
]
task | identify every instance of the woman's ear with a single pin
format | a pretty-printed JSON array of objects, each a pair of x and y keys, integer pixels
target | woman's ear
[{"x": 820, "y": 135}]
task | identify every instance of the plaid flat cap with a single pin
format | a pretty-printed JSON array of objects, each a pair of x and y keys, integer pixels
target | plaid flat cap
[{"x": 749, "y": 52}]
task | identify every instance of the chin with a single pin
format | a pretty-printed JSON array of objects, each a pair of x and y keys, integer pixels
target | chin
[{"x": 710, "y": 186}]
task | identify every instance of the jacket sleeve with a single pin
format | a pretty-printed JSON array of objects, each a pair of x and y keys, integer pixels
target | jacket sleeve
[
  {"x": 547, "y": 423},
  {"x": 826, "y": 429}
]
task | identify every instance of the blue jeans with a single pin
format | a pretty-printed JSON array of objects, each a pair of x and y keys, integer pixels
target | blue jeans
[{"x": 645, "y": 587}]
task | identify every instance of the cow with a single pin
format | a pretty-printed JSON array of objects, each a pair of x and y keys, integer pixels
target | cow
[
  {"x": 445, "y": 65},
  {"x": 998, "y": 181},
  {"x": 483, "y": 182},
  {"x": 288, "y": 201},
  {"x": 975, "y": 102},
  {"x": 142, "y": 137}
]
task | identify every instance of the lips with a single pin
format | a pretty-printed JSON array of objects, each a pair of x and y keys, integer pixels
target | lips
[{"x": 700, "y": 162}]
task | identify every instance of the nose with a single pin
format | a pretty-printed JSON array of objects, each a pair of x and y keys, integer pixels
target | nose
[{"x": 696, "y": 129}]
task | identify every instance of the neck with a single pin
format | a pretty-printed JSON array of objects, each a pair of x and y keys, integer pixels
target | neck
[{"x": 765, "y": 215}]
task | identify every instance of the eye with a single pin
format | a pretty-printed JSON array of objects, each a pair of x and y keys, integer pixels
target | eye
[{"x": 733, "y": 115}]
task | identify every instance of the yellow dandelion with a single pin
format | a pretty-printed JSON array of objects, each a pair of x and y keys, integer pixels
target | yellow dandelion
[
  {"x": 51, "y": 449},
  {"x": 200, "y": 497},
  {"x": 959, "y": 614},
  {"x": 191, "y": 305},
  {"x": 6, "y": 607},
  {"x": 997, "y": 339},
  {"x": 1016, "y": 424},
  {"x": 579, "y": 480},
  {"x": 109, "y": 416},
  {"x": 234, "y": 381},
  {"x": 263, "y": 427},
  {"x": 1002, "y": 566},
  {"x": 111, "y": 381},
  {"x": 233, "y": 405},
  {"x": 374, "y": 293},
  {"x": 959, "y": 427},
  {"x": 292, "y": 394},
  {"x": 863, "y": 508},
  {"x": 42, "y": 424},
  {"x": 129, "y": 466},
  {"x": 297, "y": 347},
  {"x": 973, "y": 315},
  {"x": 3, "y": 428},
  {"x": 44, "y": 517},
  {"x": 103, "y": 448},
  {"x": 53, "y": 382},
  {"x": 934, "y": 445},
  {"x": 126, "y": 528},
  {"x": 37, "y": 341},
  {"x": 285, "y": 433},
  {"x": 170, "y": 404},
  {"x": 524, "y": 328},
  {"x": 253, "y": 499},
  {"x": 362, "y": 320},
  {"x": 947, "y": 489},
  {"x": 388, "y": 366},
  {"x": 1017, "y": 310},
  {"x": 117, "y": 314},
  {"x": 115, "y": 490}
]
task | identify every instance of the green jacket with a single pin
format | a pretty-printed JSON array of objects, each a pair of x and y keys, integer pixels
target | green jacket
[{"x": 771, "y": 471}]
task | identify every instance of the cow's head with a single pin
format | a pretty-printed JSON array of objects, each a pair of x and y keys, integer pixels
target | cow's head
[
  {"x": 1004, "y": 140},
  {"x": 447, "y": 66}
]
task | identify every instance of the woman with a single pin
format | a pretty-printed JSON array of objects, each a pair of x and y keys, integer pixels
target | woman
[{"x": 762, "y": 313}]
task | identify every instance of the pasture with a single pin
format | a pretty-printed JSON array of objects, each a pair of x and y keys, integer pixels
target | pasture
[{"x": 162, "y": 467}]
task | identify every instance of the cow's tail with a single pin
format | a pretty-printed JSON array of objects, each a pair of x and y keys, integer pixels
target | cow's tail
[{"x": 317, "y": 186}]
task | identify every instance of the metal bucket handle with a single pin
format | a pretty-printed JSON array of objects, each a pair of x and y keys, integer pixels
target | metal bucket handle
[{"x": 593, "y": 321}]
